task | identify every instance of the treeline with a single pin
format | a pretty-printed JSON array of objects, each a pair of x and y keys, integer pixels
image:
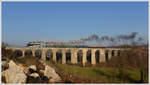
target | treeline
[{"x": 136, "y": 58}]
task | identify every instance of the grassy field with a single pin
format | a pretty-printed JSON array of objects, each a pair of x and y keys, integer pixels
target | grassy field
[
  {"x": 97, "y": 74},
  {"x": 92, "y": 74}
]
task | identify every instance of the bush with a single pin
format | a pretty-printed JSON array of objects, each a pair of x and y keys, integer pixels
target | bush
[{"x": 137, "y": 58}]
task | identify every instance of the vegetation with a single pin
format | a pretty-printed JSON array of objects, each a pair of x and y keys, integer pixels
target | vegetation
[
  {"x": 95, "y": 74},
  {"x": 136, "y": 58},
  {"x": 130, "y": 67}
]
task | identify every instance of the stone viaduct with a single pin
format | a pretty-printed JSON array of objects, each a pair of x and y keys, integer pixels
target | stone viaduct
[{"x": 92, "y": 55}]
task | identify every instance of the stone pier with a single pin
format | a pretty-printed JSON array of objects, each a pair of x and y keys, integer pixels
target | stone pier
[
  {"x": 43, "y": 54},
  {"x": 109, "y": 54},
  {"x": 84, "y": 57},
  {"x": 54, "y": 56},
  {"x": 23, "y": 53},
  {"x": 63, "y": 56},
  {"x": 102, "y": 55},
  {"x": 93, "y": 61},
  {"x": 73, "y": 56}
]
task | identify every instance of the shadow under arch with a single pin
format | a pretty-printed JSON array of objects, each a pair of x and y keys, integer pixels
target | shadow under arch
[
  {"x": 106, "y": 55},
  {"x": 68, "y": 56},
  {"x": 38, "y": 53},
  {"x": 88, "y": 56},
  {"x": 113, "y": 53},
  {"x": 97, "y": 56},
  {"x": 59, "y": 56},
  {"x": 28, "y": 53},
  {"x": 18, "y": 53},
  {"x": 119, "y": 53},
  {"x": 49, "y": 55},
  {"x": 79, "y": 56}
]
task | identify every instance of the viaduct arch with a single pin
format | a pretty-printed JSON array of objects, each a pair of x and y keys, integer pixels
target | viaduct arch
[{"x": 72, "y": 55}]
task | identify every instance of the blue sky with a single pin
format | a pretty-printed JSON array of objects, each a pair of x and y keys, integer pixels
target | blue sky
[{"x": 28, "y": 21}]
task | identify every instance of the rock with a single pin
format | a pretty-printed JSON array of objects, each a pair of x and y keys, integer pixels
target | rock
[
  {"x": 41, "y": 71},
  {"x": 35, "y": 75},
  {"x": 25, "y": 69},
  {"x": 32, "y": 69},
  {"x": 14, "y": 74},
  {"x": 20, "y": 65},
  {"x": 51, "y": 74},
  {"x": 11, "y": 64}
]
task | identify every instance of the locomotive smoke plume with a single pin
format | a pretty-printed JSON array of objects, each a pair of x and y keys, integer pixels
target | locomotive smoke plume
[
  {"x": 130, "y": 39},
  {"x": 95, "y": 40}
]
